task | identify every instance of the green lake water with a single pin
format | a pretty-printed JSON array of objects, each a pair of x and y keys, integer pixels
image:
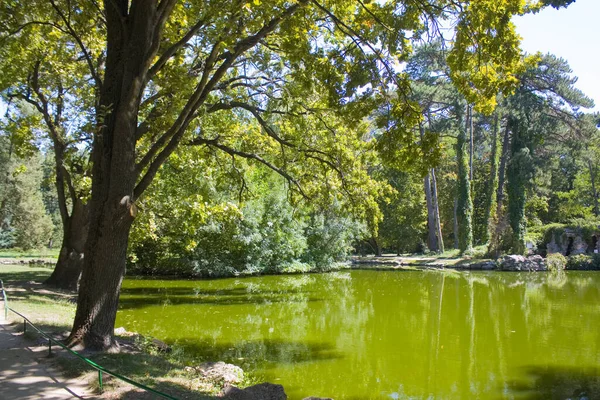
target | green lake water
[{"x": 387, "y": 335}]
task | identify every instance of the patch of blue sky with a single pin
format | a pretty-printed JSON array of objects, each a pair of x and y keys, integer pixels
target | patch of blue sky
[{"x": 572, "y": 34}]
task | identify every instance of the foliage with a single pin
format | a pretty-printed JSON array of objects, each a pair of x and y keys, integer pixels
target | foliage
[
  {"x": 24, "y": 221},
  {"x": 225, "y": 222},
  {"x": 519, "y": 174},
  {"x": 556, "y": 262},
  {"x": 584, "y": 262},
  {"x": 403, "y": 227},
  {"x": 329, "y": 238},
  {"x": 464, "y": 199}
]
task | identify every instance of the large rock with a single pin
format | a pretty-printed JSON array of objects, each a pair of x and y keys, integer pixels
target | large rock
[
  {"x": 512, "y": 263},
  {"x": 519, "y": 263},
  {"x": 262, "y": 391},
  {"x": 482, "y": 266},
  {"x": 219, "y": 372}
]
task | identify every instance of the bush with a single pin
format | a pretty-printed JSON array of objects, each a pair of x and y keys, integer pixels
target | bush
[
  {"x": 556, "y": 262},
  {"x": 329, "y": 239},
  {"x": 584, "y": 262},
  {"x": 264, "y": 238},
  {"x": 266, "y": 235}
]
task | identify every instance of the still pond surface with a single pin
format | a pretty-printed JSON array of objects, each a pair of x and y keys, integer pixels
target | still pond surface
[{"x": 387, "y": 335}]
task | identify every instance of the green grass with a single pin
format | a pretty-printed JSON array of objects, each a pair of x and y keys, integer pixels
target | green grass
[
  {"x": 53, "y": 310},
  {"x": 34, "y": 253}
]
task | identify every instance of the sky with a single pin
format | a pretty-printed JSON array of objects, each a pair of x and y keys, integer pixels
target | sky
[{"x": 572, "y": 33}]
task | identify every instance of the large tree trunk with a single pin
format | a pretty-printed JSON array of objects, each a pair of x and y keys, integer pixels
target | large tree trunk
[
  {"x": 436, "y": 212},
  {"x": 68, "y": 268},
  {"x": 520, "y": 172},
  {"x": 134, "y": 32},
  {"x": 465, "y": 204},
  {"x": 502, "y": 170},
  {"x": 374, "y": 243},
  {"x": 492, "y": 183},
  {"x": 455, "y": 223},
  {"x": 114, "y": 175},
  {"x": 470, "y": 117},
  {"x": 431, "y": 226},
  {"x": 499, "y": 224},
  {"x": 432, "y": 242}
]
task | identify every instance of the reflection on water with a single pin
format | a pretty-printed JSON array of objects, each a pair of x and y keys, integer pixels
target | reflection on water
[{"x": 388, "y": 335}]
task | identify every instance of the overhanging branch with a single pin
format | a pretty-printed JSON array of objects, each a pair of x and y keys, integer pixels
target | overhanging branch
[{"x": 251, "y": 156}]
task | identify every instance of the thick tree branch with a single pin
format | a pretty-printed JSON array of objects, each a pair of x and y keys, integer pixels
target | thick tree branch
[
  {"x": 69, "y": 181},
  {"x": 206, "y": 85},
  {"x": 184, "y": 118}
]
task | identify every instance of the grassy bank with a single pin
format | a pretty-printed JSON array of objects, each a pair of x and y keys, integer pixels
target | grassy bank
[
  {"x": 53, "y": 311},
  {"x": 29, "y": 254}
]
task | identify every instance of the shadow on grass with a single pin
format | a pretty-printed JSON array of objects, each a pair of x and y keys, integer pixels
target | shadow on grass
[
  {"x": 37, "y": 293},
  {"x": 141, "y": 367},
  {"x": 13, "y": 276},
  {"x": 555, "y": 382}
]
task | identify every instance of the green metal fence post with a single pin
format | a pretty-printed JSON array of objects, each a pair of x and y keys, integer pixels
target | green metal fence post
[
  {"x": 100, "y": 381},
  {"x": 24, "y": 326},
  {"x": 5, "y": 300},
  {"x": 49, "y": 347}
]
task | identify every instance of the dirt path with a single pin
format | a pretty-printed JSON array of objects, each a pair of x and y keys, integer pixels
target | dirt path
[{"x": 26, "y": 373}]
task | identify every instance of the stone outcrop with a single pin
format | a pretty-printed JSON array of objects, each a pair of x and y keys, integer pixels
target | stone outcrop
[
  {"x": 571, "y": 242},
  {"x": 567, "y": 244},
  {"x": 481, "y": 266},
  {"x": 219, "y": 372},
  {"x": 262, "y": 391},
  {"x": 521, "y": 263},
  {"x": 317, "y": 398}
]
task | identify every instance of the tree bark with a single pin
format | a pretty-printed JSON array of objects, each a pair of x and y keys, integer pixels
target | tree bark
[
  {"x": 470, "y": 119},
  {"x": 492, "y": 184},
  {"x": 130, "y": 37},
  {"x": 68, "y": 268},
  {"x": 6, "y": 178},
  {"x": 374, "y": 243},
  {"x": 133, "y": 40},
  {"x": 520, "y": 172},
  {"x": 455, "y": 225},
  {"x": 431, "y": 226},
  {"x": 502, "y": 170},
  {"x": 465, "y": 203},
  {"x": 432, "y": 243},
  {"x": 436, "y": 212},
  {"x": 495, "y": 242}
]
